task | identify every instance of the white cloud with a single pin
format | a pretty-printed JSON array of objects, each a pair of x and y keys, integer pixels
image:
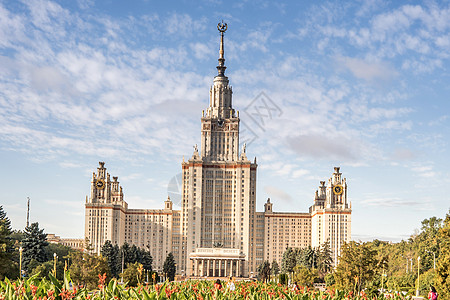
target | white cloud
[
  {"x": 69, "y": 165},
  {"x": 339, "y": 147},
  {"x": 403, "y": 154},
  {"x": 201, "y": 51},
  {"x": 370, "y": 71},
  {"x": 398, "y": 202},
  {"x": 424, "y": 171},
  {"x": 300, "y": 173}
]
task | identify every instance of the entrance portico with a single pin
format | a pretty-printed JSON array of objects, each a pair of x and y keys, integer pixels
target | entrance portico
[{"x": 216, "y": 262}]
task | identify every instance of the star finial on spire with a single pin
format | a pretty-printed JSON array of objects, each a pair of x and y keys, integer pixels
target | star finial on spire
[{"x": 222, "y": 27}]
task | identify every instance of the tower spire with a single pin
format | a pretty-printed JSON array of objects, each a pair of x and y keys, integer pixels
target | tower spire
[{"x": 222, "y": 27}]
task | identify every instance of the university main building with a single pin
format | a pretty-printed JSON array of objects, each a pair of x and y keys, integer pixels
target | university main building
[{"x": 217, "y": 232}]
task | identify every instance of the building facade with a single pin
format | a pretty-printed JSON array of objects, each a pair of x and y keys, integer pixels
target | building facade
[{"x": 217, "y": 232}]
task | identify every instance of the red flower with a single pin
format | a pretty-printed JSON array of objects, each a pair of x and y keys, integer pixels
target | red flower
[
  {"x": 101, "y": 280},
  {"x": 33, "y": 289},
  {"x": 50, "y": 294},
  {"x": 65, "y": 294}
]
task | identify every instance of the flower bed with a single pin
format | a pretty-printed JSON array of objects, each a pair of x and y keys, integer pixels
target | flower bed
[{"x": 33, "y": 288}]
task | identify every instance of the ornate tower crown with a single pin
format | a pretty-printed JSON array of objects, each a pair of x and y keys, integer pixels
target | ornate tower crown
[
  {"x": 220, "y": 126},
  {"x": 220, "y": 102},
  {"x": 222, "y": 27}
]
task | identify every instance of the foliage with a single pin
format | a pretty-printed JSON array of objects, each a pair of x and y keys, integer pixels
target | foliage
[
  {"x": 324, "y": 259},
  {"x": 443, "y": 264},
  {"x": 329, "y": 279},
  {"x": 283, "y": 278},
  {"x": 34, "y": 245},
  {"x": 84, "y": 268},
  {"x": 62, "y": 252},
  {"x": 113, "y": 257},
  {"x": 305, "y": 257},
  {"x": 6, "y": 244},
  {"x": 264, "y": 271},
  {"x": 133, "y": 274},
  {"x": 317, "y": 259},
  {"x": 169, "y": 267},
  {"x": 43, "y": 270},
  {"x": 289, "y": 261},
  {"x": 427, "y": 279},
  {"x": 275, "y": 268},
  {"x": 357, "y": 266},
  {"x": 131, "y": 255},
  {"x": 305, "y": 276}
]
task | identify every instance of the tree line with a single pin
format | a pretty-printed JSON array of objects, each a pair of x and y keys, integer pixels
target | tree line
[
  {"x": 417, "y": 263},
  {"x": 38, "y": 256},
  {"x": 303, "y": 265}
]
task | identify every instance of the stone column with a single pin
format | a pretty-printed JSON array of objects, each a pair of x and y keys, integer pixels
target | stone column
[
  {"x": 218, "y": 267},
  {"x": 223, "y": 268},
  {"x": 216, "y": 264},
  {"x": 207, "y": 270},
  {"x": 195, "y": 267},
  {"x": 238, "y": 267},
  {"x": 231, "y": 267},
  {"x": 225, "y": 271}
]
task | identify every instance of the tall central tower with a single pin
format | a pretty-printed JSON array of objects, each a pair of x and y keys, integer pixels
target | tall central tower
[
  {"x": 218, "y": 191},
  {"x": 220, "y": 126}
]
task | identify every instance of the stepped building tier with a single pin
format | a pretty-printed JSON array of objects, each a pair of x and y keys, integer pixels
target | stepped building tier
[{"x": 217, "y": 231}]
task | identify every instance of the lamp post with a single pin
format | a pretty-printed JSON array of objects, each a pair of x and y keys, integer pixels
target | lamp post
[
  {"x": 418, "y": 276},
  {"x": 20, "y": 262},
  {"x": 54, "y": 263},
  {"x": 406, "y": 263},
  {"x": 411, "y": 268},
  {"x": 434, "y": 258}
]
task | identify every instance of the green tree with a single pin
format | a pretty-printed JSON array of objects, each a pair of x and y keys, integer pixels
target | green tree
[
  {"x": 357, "y": 266},
  {"x": 329, "y": 279},
  {"x": 305, "y": 276},
  {"x": 127, "y": 257},
  {"x": 283, "y": 278},
  {"x": 133, "y": 274},
  {"x": 112, "y": 255},
  {"x": 85, "y": 268},
  {"x": 324, "y": 259},
  {"x": 289, "y": 261},
  {"x": 427, "y": 242},
  {"x": 275, "y": 268},
  {"x": 61, "y": 251},
  {"x": 170, "y": 267},
  {"x": 6, "y": 244},
  {"x": 134, "y": 254},
  {"x": 146, "y": 260},
  {"x": 34, "y": 244},
  {"x": 307, "y": 257},
  {"x": 443, "y": 264},
  {"x": 17, "y": 236},
  {"x": 264, "y": 271},
  {"x": 43, "y": 269},
  {"x": 87, "y": 245}
]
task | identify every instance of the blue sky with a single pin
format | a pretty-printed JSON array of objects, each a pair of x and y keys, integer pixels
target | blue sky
[{"x": 361, "y": 85}]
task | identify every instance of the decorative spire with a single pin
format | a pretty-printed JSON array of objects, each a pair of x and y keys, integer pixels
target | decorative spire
[{"x": 222, "y": 27}]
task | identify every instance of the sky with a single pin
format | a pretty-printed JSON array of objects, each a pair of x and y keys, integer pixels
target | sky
[{"x": 363, "y": 85}]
